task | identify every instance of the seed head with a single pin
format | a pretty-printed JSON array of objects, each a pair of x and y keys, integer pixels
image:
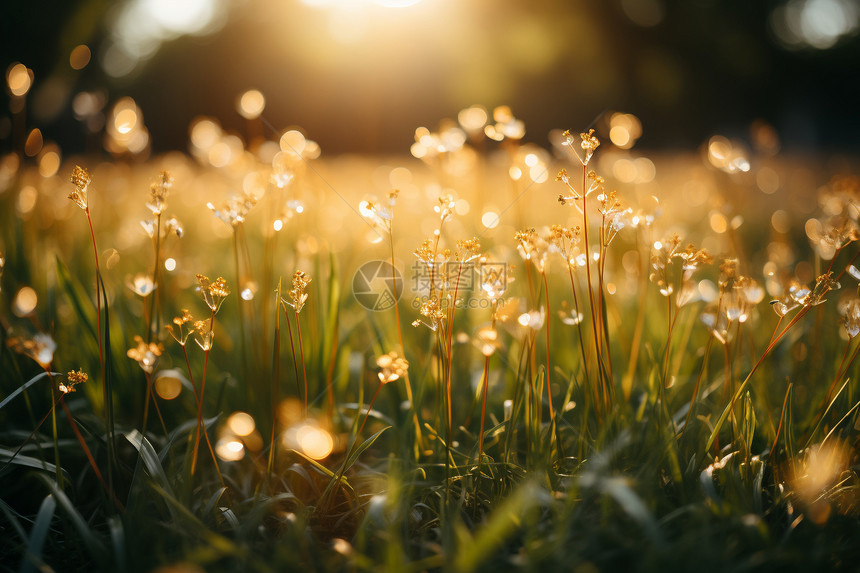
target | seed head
[
  {"x": 298, "y": 295},
  {"x": 81, "y": 180}
]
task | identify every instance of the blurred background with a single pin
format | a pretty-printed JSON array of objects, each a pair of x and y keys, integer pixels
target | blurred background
[{"x": 361, "y": 75}]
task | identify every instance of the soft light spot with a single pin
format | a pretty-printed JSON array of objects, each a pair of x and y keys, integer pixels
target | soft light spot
[
  {"x": 251, "y": 104},
  {"x": 170, "y": 264},
  {"x": 314, "y": 441},
  {"x": 80, "y": 57},
  {"x": 490, "y": 219},
  {"x": 25, "y": 301},
  {"x": 19, "y": 79},
  {"x": 780, "y": 221},
  {"x": 33, "y": 145},
  {"x": 230, "y": 450},
  {"x": 167, "y": 387},
  {"x": 241, "y": 423},
  {"x": 27, "y": 199}
]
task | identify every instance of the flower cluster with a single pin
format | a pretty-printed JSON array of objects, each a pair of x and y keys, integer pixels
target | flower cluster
[
  {"x": 213, "y": 293},
  {"x": 145, "y": 353},
  {"x": 181, "y": 333},
  {"x": 40, "y": 348},
  {"x": 235, "y": 210},
  {"x": 532, "y": 247},
  {"x": 158, "y": 192},
  {"x": 298, "y": 295},
  {"x": 392, "y": 367},
  {"x": 691, "y": 258},
  {"x": 81, "y": 180},
  {"x": 72, "y": 380}
]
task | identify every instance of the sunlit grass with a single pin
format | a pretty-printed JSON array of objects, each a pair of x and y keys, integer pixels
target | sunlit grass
[{"x": 593, "y": 376}]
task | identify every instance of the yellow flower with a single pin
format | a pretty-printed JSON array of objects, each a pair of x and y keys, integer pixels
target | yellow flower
[
  {"x": 203, "y": 334},
  {"x": 392, "y": 367},
  {"x": 40, "y": 348},
  {"x": 298, "y": 294},
  {"x": 73, "y": 379},
  {"x": 213, "y": 293},
  {"x": 180, "y": 322},
  {"x": 158, "y": 192},
  {"x": 146, "y": 354}
]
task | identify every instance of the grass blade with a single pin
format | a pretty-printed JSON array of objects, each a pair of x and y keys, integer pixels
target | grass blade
[{"x": 38, "y": 534}]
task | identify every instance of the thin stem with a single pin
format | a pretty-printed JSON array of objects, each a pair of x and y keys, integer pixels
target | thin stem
[
  {"x": 55, "y": 436},
  {"x": 200, "y": 403},
  {"x": 450, "y": 336},
  {"x": 597, "y": 343},
  {"x": 302, "y": 356},
  {"x": 276, "y": 377},
  {"x": 30, "y": 437},
  {"x": 87, "y": 452},
  {"x": 484, "y": 385},
  {"x": 106, "y": 404},
  {"x": 698, "y": 382},
  {"x": 293, "y": 350},
  {"x": 152, "y": 305},
  {"x": 409, "y": 395},
  {"x": 579, "y": 328},
  {"x": 367, "y": 414},
  {"x": 548, "y": 367},
  {"x": 146, "y": 405},
  {"x": 779, "y": 427},
  {"x": 239, "y": 307}
]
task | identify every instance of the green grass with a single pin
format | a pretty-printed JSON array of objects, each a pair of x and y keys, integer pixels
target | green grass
[{"x": 654, "y": 454}]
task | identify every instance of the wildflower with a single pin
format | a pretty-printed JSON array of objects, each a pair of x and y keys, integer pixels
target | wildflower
[
  {"x": 72, "y": 379},
  {"x": 141, "y": 285},
  {"x": 81, "y": 180},
  {"x": 40, "y": 348},
  {"x": 213, "y": 293},
  {"x": 158, "y": 192},
  {"x": 146, "y": 354},
  {"x": 794, "y": 295},
  {"x": 204, "y": 335},
  {"x": 433, "y": 311},
  {"x": 179, "y": 334},
  {"x": 850, "y": 311},
  {"x": 172, "y": 225},
  {"x": 467, "y": 250},
  {"x": 235, "y": 210},
  {"x": 379, "y": 216},
  {"x": 392, "y": 367},
  {"x": 445, "y": 207},
  {"x": 298, "y": 294},
  {"x": 588, "y": 142},
  {"x": 532, "y": 248},
  {"x": 823, "y": 284}
]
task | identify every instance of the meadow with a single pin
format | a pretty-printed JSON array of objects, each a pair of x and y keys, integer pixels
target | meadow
[{"x": 485, "y": 355}]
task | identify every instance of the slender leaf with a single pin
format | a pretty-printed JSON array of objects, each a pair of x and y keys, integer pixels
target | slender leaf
[{"x": 36, "y": 542}]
